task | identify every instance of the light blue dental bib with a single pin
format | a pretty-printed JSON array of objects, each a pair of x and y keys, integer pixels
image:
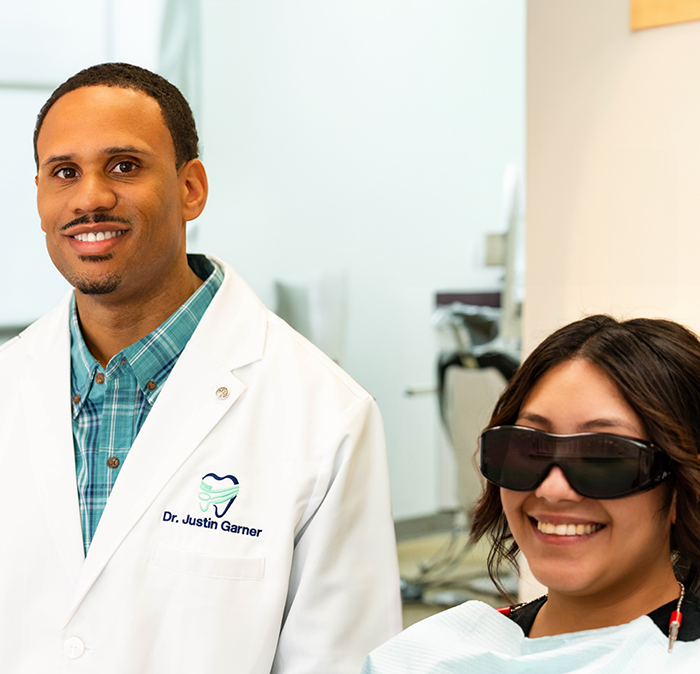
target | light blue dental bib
[{"x": 475, "y": 638}]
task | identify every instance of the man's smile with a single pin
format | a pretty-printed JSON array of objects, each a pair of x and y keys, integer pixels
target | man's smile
[
  {"x": 92, "y": 241},
  {"x": 95, "y": 233},
  {"x": 98, "y": 236}
]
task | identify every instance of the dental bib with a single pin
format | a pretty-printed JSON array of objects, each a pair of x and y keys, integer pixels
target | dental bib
[{"x": 475, "y": 638}]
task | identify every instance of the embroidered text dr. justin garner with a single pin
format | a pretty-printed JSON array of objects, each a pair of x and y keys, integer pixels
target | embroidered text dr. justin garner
[{"x": 209, "y": 523}]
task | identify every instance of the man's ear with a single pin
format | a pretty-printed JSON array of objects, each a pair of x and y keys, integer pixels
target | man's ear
[
  {"x": 194, "y": 189},
  {"x": 36, "y": 182}
]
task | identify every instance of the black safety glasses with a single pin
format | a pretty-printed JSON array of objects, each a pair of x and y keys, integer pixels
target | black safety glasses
[{"x": 596, "y": 465}]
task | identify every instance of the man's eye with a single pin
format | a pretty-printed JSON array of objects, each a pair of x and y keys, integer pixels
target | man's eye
[
  {"x": 66, "y": 173},
  {"x": 124, "y": 167}
]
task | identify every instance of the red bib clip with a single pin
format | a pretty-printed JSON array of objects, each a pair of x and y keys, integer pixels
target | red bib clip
[{"x": 673, "y": 626}]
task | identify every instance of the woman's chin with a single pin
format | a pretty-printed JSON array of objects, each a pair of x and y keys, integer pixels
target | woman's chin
[{"x": 564, "y": 579}]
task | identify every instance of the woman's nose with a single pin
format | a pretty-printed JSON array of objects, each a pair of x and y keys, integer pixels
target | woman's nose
[{"x": 555, "y": 487}]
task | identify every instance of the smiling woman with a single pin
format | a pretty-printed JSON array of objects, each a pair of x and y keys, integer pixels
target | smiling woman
[{"x": 591, "y": 458}]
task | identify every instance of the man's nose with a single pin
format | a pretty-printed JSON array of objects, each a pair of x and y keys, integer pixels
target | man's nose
[
  {"x": 93, "y": 193},
  {"x": 555, "y": 487}
]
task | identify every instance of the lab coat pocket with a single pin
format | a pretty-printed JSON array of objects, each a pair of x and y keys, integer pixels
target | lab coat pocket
[{"x": 199, "y": 564}]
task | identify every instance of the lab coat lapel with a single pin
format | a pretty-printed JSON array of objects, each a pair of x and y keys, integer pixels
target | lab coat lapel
[
  {"x": 46, "y": 390},
  {"x": 197, "y": 394}
]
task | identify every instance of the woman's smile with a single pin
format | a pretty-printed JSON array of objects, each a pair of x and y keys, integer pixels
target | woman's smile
[{"x": 570, "y": 530}]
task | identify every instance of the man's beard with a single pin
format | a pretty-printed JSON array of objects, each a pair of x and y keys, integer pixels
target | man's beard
[
  {"x": 86, "y": 285},
  {"x": 99, "y": 286}
]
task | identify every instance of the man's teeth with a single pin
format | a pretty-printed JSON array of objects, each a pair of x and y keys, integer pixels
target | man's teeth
[
  {"x": 97, "y": 236},
  {"x": 567, "y": 529}
]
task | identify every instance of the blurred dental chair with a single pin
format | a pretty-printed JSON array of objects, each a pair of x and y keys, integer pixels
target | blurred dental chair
[
  {"x": 469, "y": 396},
  {"x": 470, "y": 380}
]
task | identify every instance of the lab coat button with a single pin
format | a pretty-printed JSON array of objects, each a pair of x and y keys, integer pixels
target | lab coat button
[
  {"x": 73, "y": 647},
  {"x": 222, "y": 393}
]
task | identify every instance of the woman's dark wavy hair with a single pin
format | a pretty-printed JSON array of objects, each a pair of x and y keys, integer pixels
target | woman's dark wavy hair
[
  {"x": 175, "y": 109},
  {"x": 656, "y": 366}
]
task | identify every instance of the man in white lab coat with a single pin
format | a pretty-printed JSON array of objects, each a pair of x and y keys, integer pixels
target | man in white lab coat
[{"x": 187, "y": 485}]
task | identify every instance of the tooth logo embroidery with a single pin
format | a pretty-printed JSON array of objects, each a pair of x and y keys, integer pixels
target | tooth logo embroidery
[{"x": 216, "y": 491}]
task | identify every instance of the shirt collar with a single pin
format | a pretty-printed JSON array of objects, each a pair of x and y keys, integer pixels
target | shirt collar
[
  {"x": 83, "y": 363},
  {"x": 152, "y": 358}
]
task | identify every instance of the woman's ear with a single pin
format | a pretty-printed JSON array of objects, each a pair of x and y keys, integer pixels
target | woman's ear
[{"x": 672, "y": 510}]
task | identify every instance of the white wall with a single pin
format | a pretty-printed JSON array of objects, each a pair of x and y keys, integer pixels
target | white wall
[
  {"x": 613, "y": 166},
  {"x": 367, "y": 136}
]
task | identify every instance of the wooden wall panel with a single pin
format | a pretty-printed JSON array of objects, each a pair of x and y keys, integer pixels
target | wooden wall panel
[{"x": 653, "y": 13}]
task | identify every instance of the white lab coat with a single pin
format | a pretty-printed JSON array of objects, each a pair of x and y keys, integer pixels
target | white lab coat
[{"x": 313, "y": 589}]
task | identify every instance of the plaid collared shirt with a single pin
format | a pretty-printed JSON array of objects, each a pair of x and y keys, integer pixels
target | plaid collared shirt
[{"x": 110, "y": 405}]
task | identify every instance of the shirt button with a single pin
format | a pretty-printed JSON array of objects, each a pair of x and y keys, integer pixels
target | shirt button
[
  {"x": 73, "y": 647},
  {"x": 151, "y": 386},
  {"x": 100, "y": 378},
  {"x": 76, "y": 398},
  {"x": 113, "y": 462}
]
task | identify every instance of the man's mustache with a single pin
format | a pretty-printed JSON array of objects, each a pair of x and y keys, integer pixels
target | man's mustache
[{"x": 93, "y": 218}]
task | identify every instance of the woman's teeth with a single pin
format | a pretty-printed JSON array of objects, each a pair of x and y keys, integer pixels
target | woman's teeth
[
  {"x": 97, "y": 236},
  {"x": 567, "y": 529}
]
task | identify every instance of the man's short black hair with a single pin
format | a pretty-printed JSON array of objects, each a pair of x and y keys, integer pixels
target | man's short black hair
[{"x": 173, "y": 105}]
